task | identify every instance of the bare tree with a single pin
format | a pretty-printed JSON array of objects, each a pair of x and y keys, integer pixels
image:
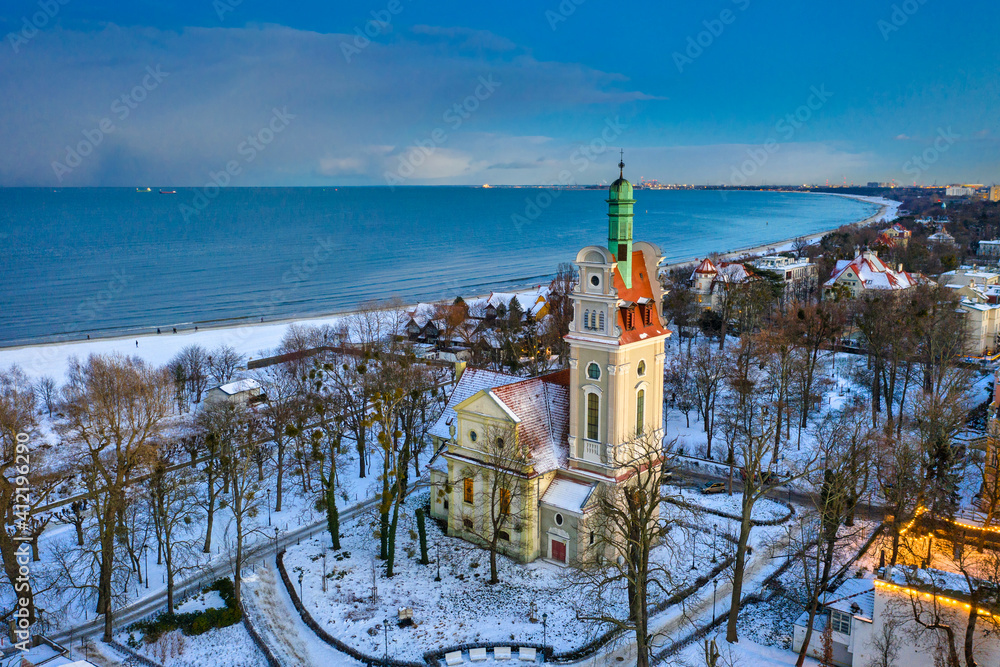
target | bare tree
[
  {"x": 48, "y": 393},
  {"x": 560, "y": 312},
  {"x": 709, "y": 369},
  {"x": 751, "y": 426},
  {"x": 244, "y": 496},
  {"x": 191, "y": 365},
  {"x": 174, "y": 506},
  {"x": 278, "y": 413},
  {"x": 500, "y": 508},
  {"x": 845, "y": 442},
  {"x": 114, "y": 406},
  {"x": 627, "y": 526},
  {"x": 223, "y": 362},
  {"x": 19, "y": 458}
]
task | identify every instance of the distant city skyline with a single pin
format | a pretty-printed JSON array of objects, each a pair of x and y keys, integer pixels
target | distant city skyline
[{"x": 395, "y": 92}]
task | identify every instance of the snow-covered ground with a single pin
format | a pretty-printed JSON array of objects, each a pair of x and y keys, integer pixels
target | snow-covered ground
[
  {"x": 460, "y": 608},
  {"x": 230, "y": 646}
]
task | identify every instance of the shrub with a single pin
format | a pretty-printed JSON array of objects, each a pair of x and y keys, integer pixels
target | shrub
[{"x": 195, "y": 622}]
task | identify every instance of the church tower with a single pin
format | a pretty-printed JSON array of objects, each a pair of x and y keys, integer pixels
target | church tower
[
  {"x": 616, "y": 343},
  {"x": 620, "y": 223}
]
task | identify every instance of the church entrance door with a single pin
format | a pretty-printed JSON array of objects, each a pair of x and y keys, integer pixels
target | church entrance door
[{"x": 559, "y": 551}]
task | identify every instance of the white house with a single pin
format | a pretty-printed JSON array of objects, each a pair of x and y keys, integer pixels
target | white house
[
  {"x": 238, "y": 391},
  {"x": 850, "y": 611}
]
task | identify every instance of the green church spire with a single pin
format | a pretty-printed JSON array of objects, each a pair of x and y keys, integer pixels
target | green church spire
[{"x": 620, "y": 223}]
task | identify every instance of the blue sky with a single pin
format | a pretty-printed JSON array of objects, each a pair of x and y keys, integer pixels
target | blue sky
[{"x": 718, "y": 91}]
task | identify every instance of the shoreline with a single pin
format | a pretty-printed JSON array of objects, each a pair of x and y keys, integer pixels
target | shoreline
[
  {"x": 235, "y": 326},
  {"x": 780, "y": 246}
]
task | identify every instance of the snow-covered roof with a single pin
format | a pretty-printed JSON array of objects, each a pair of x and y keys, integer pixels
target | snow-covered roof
[
  {"x": 530, "y": 301},
  {"x": 706, "y": 267},
  {"x": 474, "y": 380},
  {"x": 855, "y": 597},
  {"x": 565, "y": 494},
  {"x": 732, "y": 273},
  {"x": 872, "y": 272},
  {"x": 422, "y": 313},
  {"x": 239, "y": 386},
  {"x": 542, "y": 405}
]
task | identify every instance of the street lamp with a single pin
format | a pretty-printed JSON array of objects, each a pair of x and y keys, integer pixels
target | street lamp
[
  {"x": 275, "y": 539},
  {"x": 300, "y": 586},
  {"x": 145, "y": 551},
  {"x": 385, "y": 625},
  {"x": 694, "y": 547},
  {"x": 437, "y": 551},
  {"x": 715, "y": 587},
  {"x": 544, "y": 629},
  {"x": 324, "y": 570},
  {"x": 269, "y": 507}
]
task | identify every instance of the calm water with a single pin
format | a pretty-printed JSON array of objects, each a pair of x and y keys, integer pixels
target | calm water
[{"x": 96, "y": 260}]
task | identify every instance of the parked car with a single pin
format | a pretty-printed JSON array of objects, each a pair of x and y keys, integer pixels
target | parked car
[{"x": 714, "y": 487}]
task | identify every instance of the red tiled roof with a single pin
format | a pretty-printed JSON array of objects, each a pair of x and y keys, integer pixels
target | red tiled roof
[
  {"x": 706, "y": 266},
  {"x": 640, "y": 289},
  {"x": 542, "y": 405}
]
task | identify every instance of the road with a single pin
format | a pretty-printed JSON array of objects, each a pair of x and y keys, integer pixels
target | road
[{"x": 190, "y": 585}]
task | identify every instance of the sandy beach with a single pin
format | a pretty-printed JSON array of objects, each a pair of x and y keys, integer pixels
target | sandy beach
[{"x": 886, "y": 213}]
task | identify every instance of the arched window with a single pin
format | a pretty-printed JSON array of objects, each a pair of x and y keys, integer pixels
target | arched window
[
  {"x": 641, "y": 368},
  {"x": 586, "y": 319},
  {"x": 593, "y": 410},
  {"x": 593, "y": 371},
  {"x": 640, "y": 412},
  {"x": 601, "y": 325}
]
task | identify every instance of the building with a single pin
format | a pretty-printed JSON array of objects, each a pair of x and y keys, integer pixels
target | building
[
  {"x": 533, "y": 303},
  {"x": 962, "y": 190},
  {"x": 572, "y": 429},
  {"x": 896, "y": 236},
  {"x": 968, "y": 275},
  {"x": 423, "y": 325},
  {"x": 941, "y": 237},
  {"x": 989, "y": 250},
  {"x": 860, "y": 613},
  {"x": 848, "y": 612},
  {"x": 992, "y": 193},
  {"x": 710, "y": 283},
  {"x": 239, "y": 391},
  {"x": 800, "y": 276},
  {"x": 867, "y": 272}
]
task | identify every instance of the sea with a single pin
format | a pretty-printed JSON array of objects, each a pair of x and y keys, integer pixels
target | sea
[{"x": 95, "y": 262}]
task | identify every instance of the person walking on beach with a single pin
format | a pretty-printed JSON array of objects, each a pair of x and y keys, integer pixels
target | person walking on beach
[{"x": 137, "y": 343}]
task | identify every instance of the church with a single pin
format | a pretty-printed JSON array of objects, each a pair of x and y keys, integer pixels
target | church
[{"x": 573, "y": 427}]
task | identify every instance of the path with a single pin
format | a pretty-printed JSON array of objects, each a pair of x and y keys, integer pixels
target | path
[
  {"x": 282, "y": 630},
  {"x": 677, "y": 621}
]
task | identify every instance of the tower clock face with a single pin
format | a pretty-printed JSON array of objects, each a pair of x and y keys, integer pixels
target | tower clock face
[{"x": 595, "y": 281}]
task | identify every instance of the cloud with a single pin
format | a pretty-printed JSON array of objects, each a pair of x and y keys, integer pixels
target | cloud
[
  {"x": 902, "y": 137},
  {"x": 223, "y": 85},
  {"x": 466, "y": 38}
]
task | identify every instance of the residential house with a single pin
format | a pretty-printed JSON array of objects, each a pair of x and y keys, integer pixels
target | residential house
[
  {"x": 896, "y": 236},
  {"x": 989, "y": 250},
  {"x": 800, "y": 276},
  {"x": 574, "y": 428},
  {"x": 941, "y": 237},
  {"x": 860, "y": 612},
  {"x": 710, "y": 282},
  {"x": 966, "y": 275},
  {"x": 848, "y": 612},
  {"x": 867, "y": 272},
  {"x": 238, "y": 391},
  {"x": 422, "y": 325},
  {"x": 533, "y": 303}
]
